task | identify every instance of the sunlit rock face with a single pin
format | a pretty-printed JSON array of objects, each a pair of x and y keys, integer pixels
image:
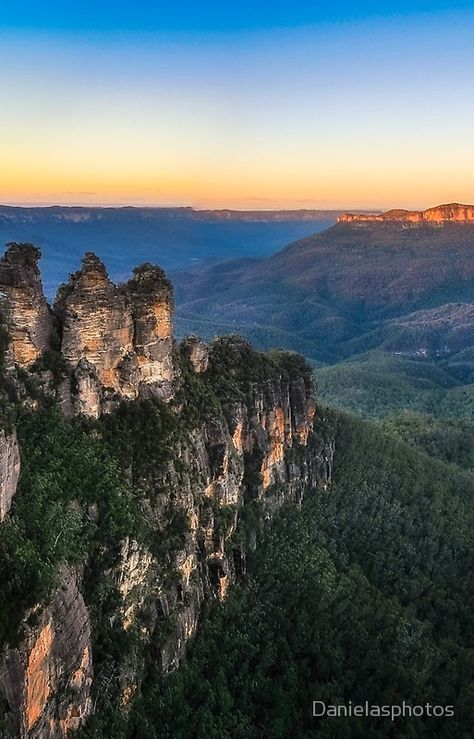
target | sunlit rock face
[
  {"x": 151, "y": 298},
  {"x": 197, "y": 353},
  {"x": 118, "y": 341},
  {"x": 96, "y": 326},
  {"x": 47, "y": 678},
  {"x": 23, "y": 305},
  {"x": 278, "y": 416},
  {"x": 451, "y": 213},
  {"x": 9, "y": 470},
  {"x": 265, "y": 447}
]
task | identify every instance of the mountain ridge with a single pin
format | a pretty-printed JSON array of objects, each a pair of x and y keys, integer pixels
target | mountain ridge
[
  {"x": 80, "y": 213},
  {"x": 327, "y": 289},
  {"x": 446, "y": 213}
]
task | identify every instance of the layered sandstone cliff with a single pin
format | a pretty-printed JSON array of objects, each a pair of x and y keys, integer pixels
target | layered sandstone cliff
[
  {"x": 235, "y": 440},
  {"x": 116, "y": 341},
  {"x": 23, "y": 304},
  {"x": 260, "y": 452},
  {"x": 96, "y": 323},
  {"x": 47, "y": 678},
  {"x": 450, "y": 213},
  {"x": 151, "y": 299},
  {"x": 225, "y": 476}
]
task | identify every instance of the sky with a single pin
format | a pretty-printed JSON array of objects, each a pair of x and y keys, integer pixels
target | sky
[{"x": 243, "y": 105}]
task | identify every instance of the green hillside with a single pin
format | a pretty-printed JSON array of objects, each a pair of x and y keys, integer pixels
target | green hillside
[
  {"x": 377, "y": 384},
  {"x": 364, "y": 595}
]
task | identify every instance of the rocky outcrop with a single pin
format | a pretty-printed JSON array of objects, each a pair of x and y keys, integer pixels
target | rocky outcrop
[
  {"x": 451, "y": 213},
  {"x": 97, "y": 327},
  {"x": 236, "y": 442},
  {"x": 115, "y": 342},
  {"x": 47, "y": 678},
  {"x": 23, "y": 306},
  {"x": 261, "y": 453},
  {"x": 151, "y": 299},
  {"x": 9, "y": 470},
  {"x": 197, "y": 353}
]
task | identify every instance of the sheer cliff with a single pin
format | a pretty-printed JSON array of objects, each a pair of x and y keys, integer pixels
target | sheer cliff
[
  {"x": 449, "y": 213},
  {"x": 136, "y": 474}
]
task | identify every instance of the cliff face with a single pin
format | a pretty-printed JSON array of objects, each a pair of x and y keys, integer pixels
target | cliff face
[
  {"x": 97, "y": 329},
  {"x": 205, "y": 472},
  {"x": 152, "y": 306},
  {"x": 451, "y": 213},
  {"x": 258, "y": 453},
  {"x": 9, "y": 470},
  {"x": 47, "y": 678},
  {"x": 81, "y": 214},
  {"x": 117, "y": 341}
]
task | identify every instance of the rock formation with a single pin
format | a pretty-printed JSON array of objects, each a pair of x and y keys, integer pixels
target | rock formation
[
  {"x": 263, "y": 446},
  {"x": 197, "y": 353},
  {"x": 116, "y": 341},
  {"x": 23, "y": 305},
  {"x": 451, "y": 213},
  {"x": 237, "y": 434},
  {"x": 9, "y": 470},
  {"x": 96, "y": 324},
  {"x": 151, "y": 298},
  {"x": 47, "y": 678}
]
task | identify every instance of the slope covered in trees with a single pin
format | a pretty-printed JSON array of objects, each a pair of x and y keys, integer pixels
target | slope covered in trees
[
  {"x": 344, "y": 291},
  {"x": 364, "y": 594}
]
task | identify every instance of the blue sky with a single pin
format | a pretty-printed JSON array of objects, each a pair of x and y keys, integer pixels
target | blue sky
[
  {"x": 204, "y": 15},
  {"x": 244, "y": 105}
]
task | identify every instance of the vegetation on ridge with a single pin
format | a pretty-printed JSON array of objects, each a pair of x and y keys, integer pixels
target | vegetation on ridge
[{"x": 364, "y": 594}]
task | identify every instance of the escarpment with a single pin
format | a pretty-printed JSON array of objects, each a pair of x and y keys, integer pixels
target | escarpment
[
  {"x": 155, "y": 497},
  {"x": 439, "y": 214}
]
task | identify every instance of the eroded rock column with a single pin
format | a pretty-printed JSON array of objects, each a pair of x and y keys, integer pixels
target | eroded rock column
[
  {"x": 23, "y": 305},
  {"x": 151, "y": 297},
  {"x": 97, "y": 334}
]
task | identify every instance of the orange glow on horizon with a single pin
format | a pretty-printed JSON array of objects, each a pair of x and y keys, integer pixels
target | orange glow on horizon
[{"x": 318, "y": 118}]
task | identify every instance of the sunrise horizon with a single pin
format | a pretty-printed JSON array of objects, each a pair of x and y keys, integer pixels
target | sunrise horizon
[
  {"x": 314, "y": 108},
  {"x": 240, "y": 206}
]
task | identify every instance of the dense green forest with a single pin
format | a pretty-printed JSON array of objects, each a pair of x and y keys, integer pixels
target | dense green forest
[
  {"x": 342, "y": 292},
  {"x": 422, "y": 401},
  {"x": 364, "y": 594},
  {"x": 377, "y": 384}
]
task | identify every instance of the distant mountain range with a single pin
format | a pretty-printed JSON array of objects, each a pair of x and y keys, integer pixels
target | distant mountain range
[
  {"x": 78, "y": 214},
  {"x": 171, "y": 237},
  {"x": 344, "y": 290},
  {"x": 347, "y": 288}
]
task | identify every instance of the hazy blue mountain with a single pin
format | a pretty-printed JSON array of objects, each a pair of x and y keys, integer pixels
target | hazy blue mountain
[
  {"x": 344, "y": 291},
  {"x": 171, "y": 237}
]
